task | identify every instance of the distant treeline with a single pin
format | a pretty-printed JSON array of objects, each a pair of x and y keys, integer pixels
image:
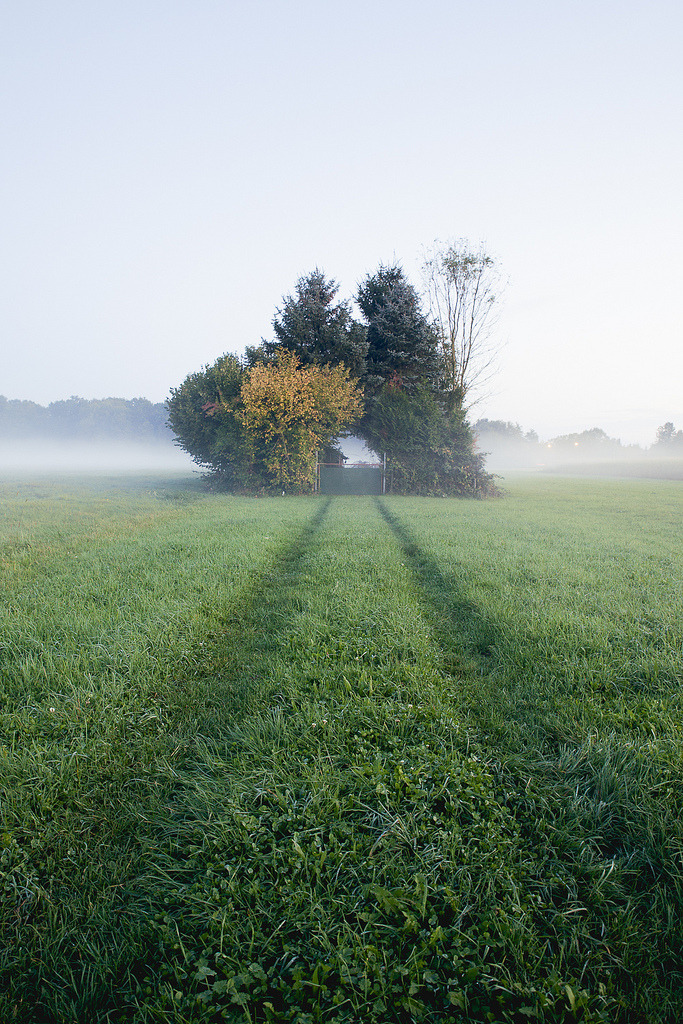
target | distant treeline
[
  {"x": 83, "y": 419},
  {"x": 507, "y": 441}
]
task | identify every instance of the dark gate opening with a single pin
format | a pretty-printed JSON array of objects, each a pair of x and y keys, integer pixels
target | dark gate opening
[{"x": 362, "y": 478}]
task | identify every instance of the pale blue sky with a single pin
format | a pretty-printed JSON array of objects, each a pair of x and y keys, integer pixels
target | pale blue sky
[{"x": 170, "y": 168}]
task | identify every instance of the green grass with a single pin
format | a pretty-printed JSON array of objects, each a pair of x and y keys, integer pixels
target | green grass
[{"x": 336, "y": 760}]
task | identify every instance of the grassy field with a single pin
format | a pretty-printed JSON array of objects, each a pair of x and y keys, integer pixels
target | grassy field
[
  {"x": 649, "y": 467},
  {"x": 349, "y": 759}
]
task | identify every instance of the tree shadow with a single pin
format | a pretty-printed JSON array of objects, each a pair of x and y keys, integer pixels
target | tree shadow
[
  {"x": 448, "y": 610},
  {"x": 251, "y": 632}
]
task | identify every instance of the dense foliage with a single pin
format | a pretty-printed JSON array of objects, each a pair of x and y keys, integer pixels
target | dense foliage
[
  {"x": 317, "y": 329},
  {"x": 198, "y": 414},
  {"x": 409, "y": 414},
  {"x": 429, "y": 450},
  {"x": 402, "y": 343},
  {"x": 291, "y": 412},
  {"x": 259, "y": 427},
  {"x": 393, "y": 359}
]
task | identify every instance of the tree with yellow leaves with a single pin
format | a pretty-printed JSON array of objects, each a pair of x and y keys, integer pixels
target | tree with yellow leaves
[{"x": 290, "y": 412}]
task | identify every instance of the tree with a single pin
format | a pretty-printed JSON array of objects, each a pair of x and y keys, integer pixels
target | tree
[
  {"x": 258, "y": 428},
  {"x": 111, "y": 419},
  {"x": 317, "y": 329},
  {"x": 462, "y": 286},
  {"x": 429, "y": 450},
  {"x": 409, "y": 416},
  {"x": 506, "y": 443},
  {"x": 668, "y": 438},
  {"x": 201, "y": 415},
  {"x": 22, "y": 419},
  {"x": 290, "y": 412},
  {"x": 402, "y": 343},
  {"x": 259, "y": 423},
  {"x": 587, "y": 445}
]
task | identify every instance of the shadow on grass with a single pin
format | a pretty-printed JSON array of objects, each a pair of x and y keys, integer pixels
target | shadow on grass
[
  {"x": 452, "y": 616},
  {"x": 68, "y": 951},
  {"x": 242, "y": 655},
  {"x": 507, "y": 716}
]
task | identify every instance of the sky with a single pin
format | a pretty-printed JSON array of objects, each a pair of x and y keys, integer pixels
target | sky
[{"x": 170, "y": 168}]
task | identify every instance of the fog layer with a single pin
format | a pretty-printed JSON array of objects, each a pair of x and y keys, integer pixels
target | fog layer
[
  {"x": 590, "y": 452},
  {"x": 40, "y": 456}
]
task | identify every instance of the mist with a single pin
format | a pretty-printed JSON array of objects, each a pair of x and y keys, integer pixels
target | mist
[
  {"x": 588, "y": 453},
  {"x": 38, "y": 456},
  {"x": 523, "y": 453}
]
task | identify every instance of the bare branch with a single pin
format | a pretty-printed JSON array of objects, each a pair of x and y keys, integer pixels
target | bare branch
[{"x": 462, "y": 286}]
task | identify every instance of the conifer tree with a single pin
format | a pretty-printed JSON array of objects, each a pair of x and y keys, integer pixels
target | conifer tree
[
  {"x": 316, "y": 329},
  {"x": 402, "y": 344}
]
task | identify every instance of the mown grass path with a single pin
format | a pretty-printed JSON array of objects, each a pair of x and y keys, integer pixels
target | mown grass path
[{"x": 349, "y": 759}]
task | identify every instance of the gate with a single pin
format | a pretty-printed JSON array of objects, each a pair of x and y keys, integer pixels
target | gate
[{"x": 359, "y": 478}]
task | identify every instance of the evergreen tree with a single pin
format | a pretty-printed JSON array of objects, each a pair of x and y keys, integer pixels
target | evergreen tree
[
  {"x": 429, "y": 450},
  {"x": 402, "y": 343},
  {"x": 317, "y": 329},
  {"x": 409, "y": 415}
]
